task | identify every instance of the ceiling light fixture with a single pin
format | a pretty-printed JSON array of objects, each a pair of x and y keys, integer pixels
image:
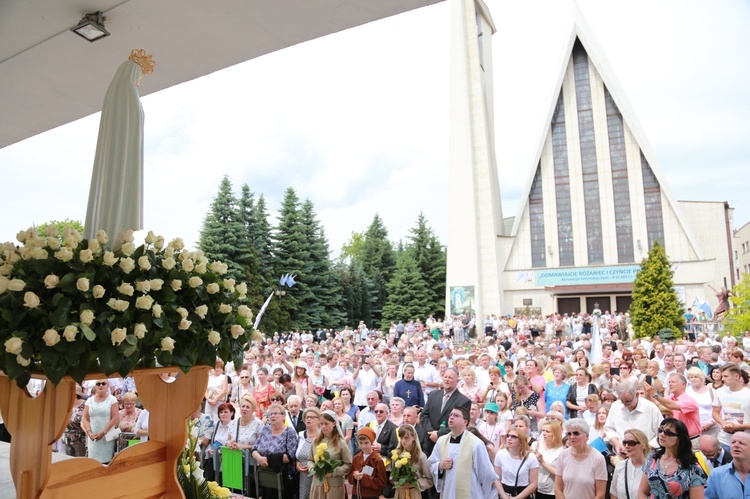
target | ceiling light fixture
[{"x": 91, "y": 27}]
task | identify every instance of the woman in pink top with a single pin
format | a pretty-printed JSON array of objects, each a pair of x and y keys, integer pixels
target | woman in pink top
[{"x": 581, "y": 471}]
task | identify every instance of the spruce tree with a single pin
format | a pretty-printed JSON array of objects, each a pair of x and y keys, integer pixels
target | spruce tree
[
  {"x": 378, "y": 262},
  {"x": 291, "y": 256},
  {"x": 223, "y": 236},
  {"x": 431, "y": 262},
  {"x": 408, "y": 294},
  {"x": 254, "y": 277},
  {"x": 355, "y": 293},
  {"x": 655, "y": 304}
]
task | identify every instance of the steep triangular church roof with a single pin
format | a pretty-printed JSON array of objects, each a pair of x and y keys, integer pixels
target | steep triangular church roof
[{"x": 580, "y": 30}]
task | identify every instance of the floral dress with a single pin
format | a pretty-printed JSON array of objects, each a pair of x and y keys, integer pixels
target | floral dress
[
  {"x": 474, "y": 393},
  {"x": 675, "y": 485},
  {"x": 127, "y": 421},
  {"x": 263, "y": 398},
  {"x": 303, "y": 455},
  {"x": 530, "y": 403},
  {"x": 74, "y": 434}
]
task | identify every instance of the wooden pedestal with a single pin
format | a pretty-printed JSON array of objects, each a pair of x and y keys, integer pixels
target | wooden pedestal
[{"x": 146, "y": 470}]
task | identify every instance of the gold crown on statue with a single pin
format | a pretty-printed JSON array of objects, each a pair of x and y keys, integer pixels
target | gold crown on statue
[{"x": 146, "y": 62}]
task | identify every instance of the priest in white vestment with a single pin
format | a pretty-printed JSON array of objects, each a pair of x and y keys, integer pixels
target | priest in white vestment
[{"x": 460, "y": 464}]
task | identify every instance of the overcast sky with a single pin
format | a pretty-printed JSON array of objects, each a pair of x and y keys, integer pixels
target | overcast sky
[{"x": 358, "y": 121}]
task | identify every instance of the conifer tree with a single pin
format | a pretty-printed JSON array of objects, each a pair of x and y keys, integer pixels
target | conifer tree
[
  {"x": 408, "y": 294},
  {"x": 254, "y": 277},
  {"x": 431, "y": 262},
  {"x": 323, "y": 303},
  {"x": 223, "y": 236},
  {"x": 355, "y": 293},
  {"x": 291, "y": 255},
  {"x": 655, "y": 303},
  {"x": 378, "y": 262}
]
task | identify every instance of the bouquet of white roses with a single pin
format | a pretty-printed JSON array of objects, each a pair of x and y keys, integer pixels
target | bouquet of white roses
[{"x": 65, "y": 300}]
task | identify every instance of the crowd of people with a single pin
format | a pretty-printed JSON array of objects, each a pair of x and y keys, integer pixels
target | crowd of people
[{"x": 522, "y": 408}]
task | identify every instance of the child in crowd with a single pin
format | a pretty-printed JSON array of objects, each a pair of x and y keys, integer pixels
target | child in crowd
[
  {"x": 367, "y": 474},
  {"x": 589, "y": 415}
]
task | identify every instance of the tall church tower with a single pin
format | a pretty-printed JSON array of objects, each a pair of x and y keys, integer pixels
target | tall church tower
[{"x": 475, "y": 217}]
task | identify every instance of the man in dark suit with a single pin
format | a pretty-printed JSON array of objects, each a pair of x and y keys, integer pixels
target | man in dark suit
[
  {"x": 438, "y": 408},
  {"x": 713, "y": 452},
  {"x": 294, "y": 415},
  {"x": 386, "y": 439}
]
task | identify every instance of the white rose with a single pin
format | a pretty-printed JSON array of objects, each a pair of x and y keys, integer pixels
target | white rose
[
  {"x": 98, "y": 291},
  {"x": 21, "y": 237},
  {"x": 127, "y": 265},
  {"x": 217, "y": 267},
  {"x": 83, "y": 284},
  {"x": 140, "y": 331},
  {"x": 51, "y": 281},
  {"x": 156, "y": 310},
  {"x": 184, "y": 324},
  {"x": 229, "y": 285},
  {"x": 159, "y": 243},
  {"x": 118, "y": 335},
  {"x": 150, "y": 237},
  {"x": 144, "y": 302},
  {"x": 144, "y": 263},
  {"x": 212, "y": 288},
  {"x": 167, "y": 344},
  {"x": 168, "y": 263},
  {"x": 39, "y": 253},
  {"x": 26, "y": 252},
  {"x": 200, "y": 268},
  {"x": 214, "y": 338},
  {"x": 87, "y": 317},
  {"x": 156, "y": 284},
  {"x": 53, "y": 243},
  {"x": 128, "y": 249},
  {"x": 70, "y": 332},
  {"x": 241, "y": 289},
  {"x": 30, "y": 300},
  {"x": 177, "y": 243},
  {"x": 188, "y": 265},
  {"x": 127, "y": 236},
  {"x": 51, "y": 337},
  {"x": 64, "y": 254},
  {"x": 16, "y": 285},
  {"x": 176, "y": 284},
  {"x": 86, "y": 255},
  {"x": 169, "y": 252},
  {"x": 143, "y": 286},
  {"x": 102, "y": 237},
  {"x": 236, "y": 331},
  {"x": 13, "y": 345},
  {"x": 195, "y": 281},
  {"x": 201, "y": 311},
  {"x": 182, "y": 311},
  {"x": 95, "y": 247},
  {"x": 6, "y": 269},
  {"x": 225, "y": 308},
  {"x": 111, "y": 303},
  {"x": 22, "y": 361},
  {"x": 245, "y": 311},
  {"x": 121, "y": 305},
  {"x": 109, "y": 258},
  {"x": 126, "y": 289}
]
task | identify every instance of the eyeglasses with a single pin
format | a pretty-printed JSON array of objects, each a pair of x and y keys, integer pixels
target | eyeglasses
[
  {"x": 630, "y": 443},
  {"x": 244, "y": 377},
  {"x": 574, "y": 433},
  {"x": 101, "y": 383},
  {"x": 275, "y": 400},
  {"x": 668, "y": 433},
  {"x": 380, "y": 411}
]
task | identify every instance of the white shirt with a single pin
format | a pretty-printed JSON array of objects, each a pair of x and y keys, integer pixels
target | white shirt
[
  {"x": 646, "y": 417},
  {"x": 367, "y": 381},
  {"x": 428, "y": 374},
  {"x": 510, "y": 467},
  {"x": 735, "y": 407}
]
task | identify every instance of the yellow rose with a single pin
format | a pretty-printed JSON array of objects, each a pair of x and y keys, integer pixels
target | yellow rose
[
  {"x": 406, "y": 455},
  {"x": 403, "y": 461},
  {"x": 323, "y": 446},
  {"x": 398, "y": 464},
  {"x": 394, "y": 455}
]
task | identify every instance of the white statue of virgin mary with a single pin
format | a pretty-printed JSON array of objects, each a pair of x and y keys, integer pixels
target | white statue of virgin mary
[{"x": 116, "y": 193}]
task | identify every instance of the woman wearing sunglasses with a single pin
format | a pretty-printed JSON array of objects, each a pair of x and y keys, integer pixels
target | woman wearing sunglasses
[
  {"x": 100, "y": 414},
  {"x": 673, "y": 470},
  {"x": 517, "y": 468},
  {"x": 581, "y": 471},
  {"x": 626, "y": 480}
]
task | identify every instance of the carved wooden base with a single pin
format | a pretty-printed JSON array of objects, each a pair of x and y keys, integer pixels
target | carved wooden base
[{"x": 146, "y": 470}]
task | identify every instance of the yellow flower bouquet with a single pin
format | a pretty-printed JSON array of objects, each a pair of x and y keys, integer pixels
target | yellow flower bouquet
[
  {"x": 323, "y": 464},
  {"x": 404, "y": 476}
]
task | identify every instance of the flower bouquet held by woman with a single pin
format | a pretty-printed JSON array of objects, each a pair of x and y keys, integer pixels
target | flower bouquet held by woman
[
  {"x": 410, "y": 473},
  {"x": 331, "y": 460}
]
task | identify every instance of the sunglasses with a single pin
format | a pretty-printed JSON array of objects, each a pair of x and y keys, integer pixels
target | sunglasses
[
  {"x": 244, "y": 377},
  {"x": 630, "y": 443},
  {"x": 668, "y": 433},
  {"x": 512, "y": 436},
  {"x": 275, "y": 400},
  {"x": 101, "y": 383},
  {"x": 379, "y": 411},
  {"x": 574, "y": 433}
]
